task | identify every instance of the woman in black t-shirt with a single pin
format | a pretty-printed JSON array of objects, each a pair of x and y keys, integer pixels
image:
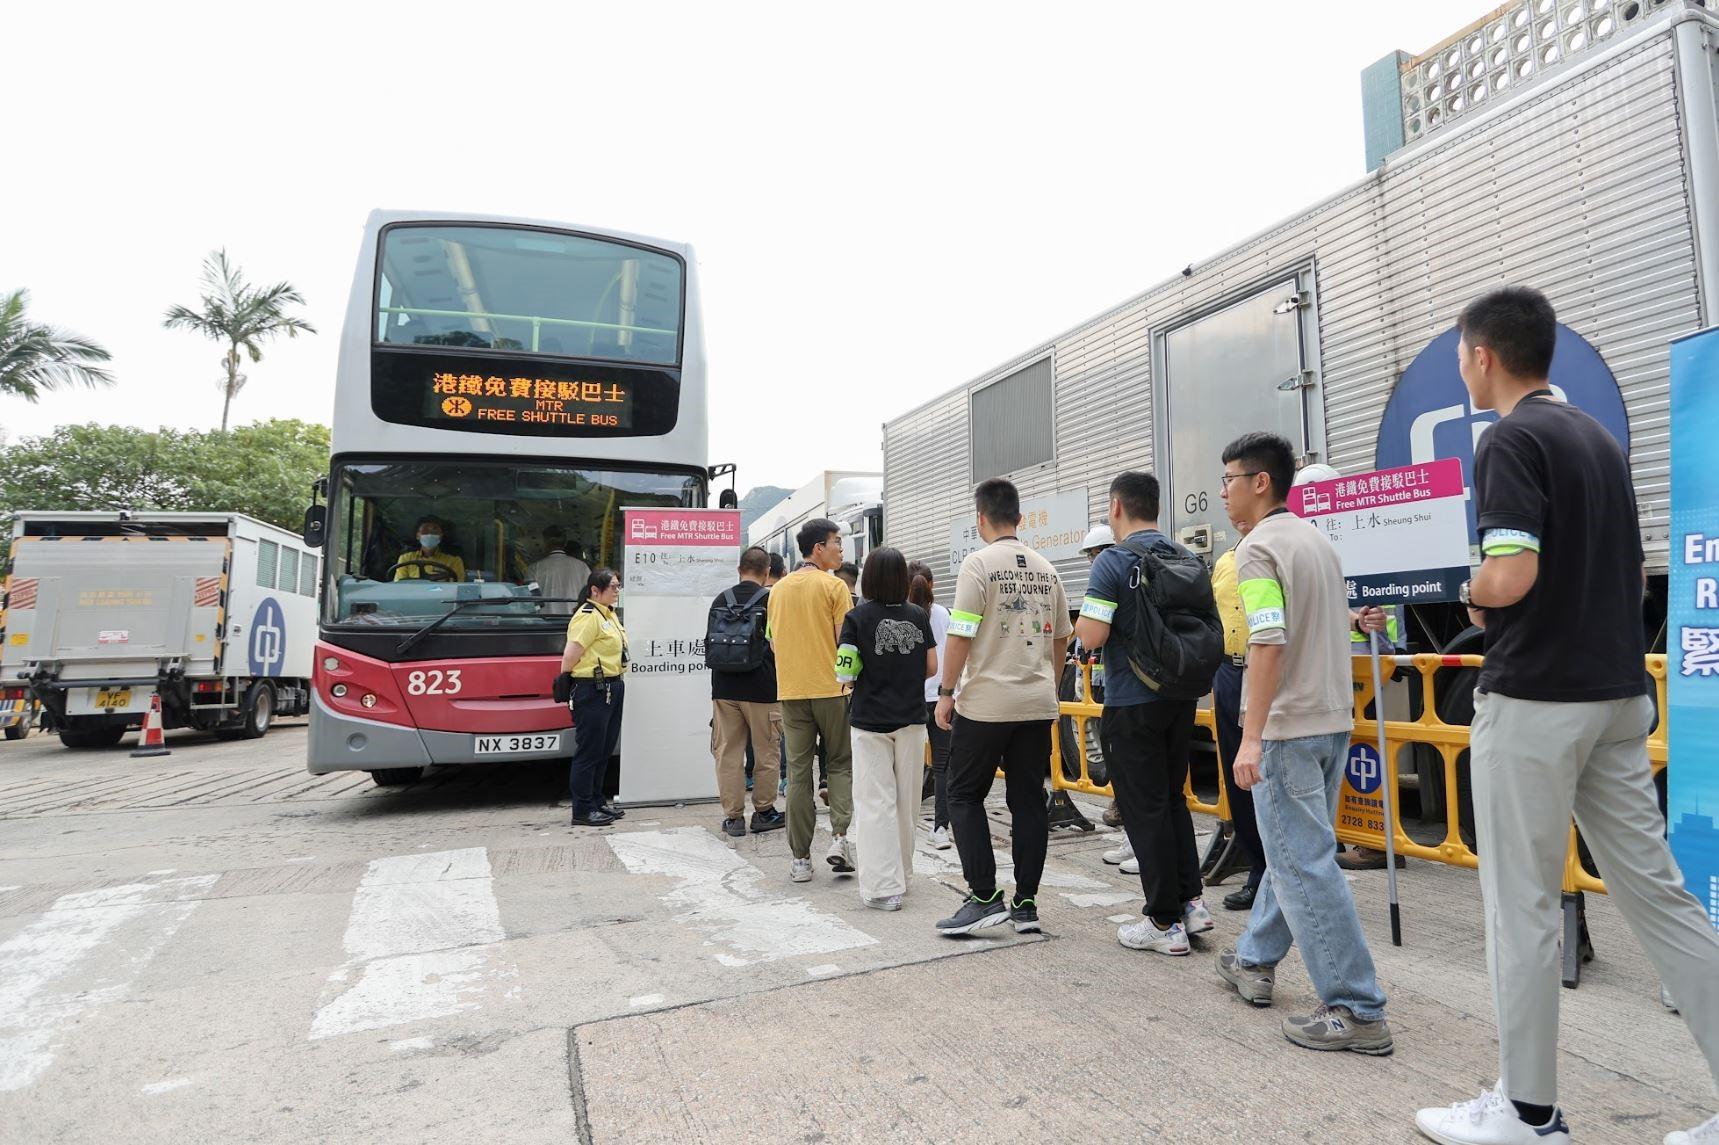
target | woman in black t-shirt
[{"x": 887, "y": 650}]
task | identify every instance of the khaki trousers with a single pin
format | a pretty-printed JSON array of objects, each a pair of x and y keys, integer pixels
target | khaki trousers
[
  {"x": 732, "y": 721},
  {"x": 889, "y": 774},
  {"x": 1534, "y": 764}
]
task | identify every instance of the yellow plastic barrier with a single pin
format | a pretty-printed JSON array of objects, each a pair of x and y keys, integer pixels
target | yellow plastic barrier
[{"x": 1448, "y": 740}]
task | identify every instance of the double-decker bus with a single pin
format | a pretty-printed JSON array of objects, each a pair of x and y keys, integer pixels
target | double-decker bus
[{"x": 508, "y": 386}]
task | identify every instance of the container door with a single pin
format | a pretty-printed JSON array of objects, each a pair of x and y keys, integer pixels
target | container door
[{"x": 1239, "y": 369}]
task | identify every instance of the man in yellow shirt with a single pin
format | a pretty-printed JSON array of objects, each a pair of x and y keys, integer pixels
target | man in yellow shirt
[
  {"x": 804, "y": 617},
  {"x": 1226, "y": 714},
  {"x": 429, "y": 552}
]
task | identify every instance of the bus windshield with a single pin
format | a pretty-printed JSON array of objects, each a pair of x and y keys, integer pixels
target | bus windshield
[
  {"x": 526, "y": 290},
  {"x": 411, "y": 540}
]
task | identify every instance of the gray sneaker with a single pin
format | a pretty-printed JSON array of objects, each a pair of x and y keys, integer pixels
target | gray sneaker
[
  {"x": 800, "y": 870},
  {"x": 1253, "y": 983},
  {"x": 1337, "y": 1028},
  {"x": 975, "y": 915},
  {"x": 888, "y": 902}
]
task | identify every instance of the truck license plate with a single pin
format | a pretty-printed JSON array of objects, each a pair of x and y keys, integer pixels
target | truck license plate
[
  {"x": 113, "y": 699},
  {"x": 510, "y": 745}
]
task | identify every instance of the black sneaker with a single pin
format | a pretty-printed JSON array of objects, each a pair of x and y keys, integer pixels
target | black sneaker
[
  {"x": 613, "y": 812},
  {"x": 1024, "y": 913},
  {"x": 769, "y": 819},
  {"x": 976, "y": 914},
  {"x": 734, "y": 828},
  {"x": 593, "y": 819}
]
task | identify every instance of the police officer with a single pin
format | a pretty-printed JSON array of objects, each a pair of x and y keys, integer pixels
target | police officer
[
  {"x": 413, "y": 563},
  {"x": 593, "y": 678}
]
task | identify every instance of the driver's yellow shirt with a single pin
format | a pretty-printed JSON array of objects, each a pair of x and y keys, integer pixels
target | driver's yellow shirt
[{"x": 413, "y": 572}]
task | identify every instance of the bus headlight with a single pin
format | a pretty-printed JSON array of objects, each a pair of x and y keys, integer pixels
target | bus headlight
[
  {"x": 337, "y": 691},
  {"x": 330, "y": 664},
  {"x": 369, "y": 700}
]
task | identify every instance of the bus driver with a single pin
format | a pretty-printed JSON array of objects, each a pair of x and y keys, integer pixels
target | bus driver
[{"x": 411, "y": 564}]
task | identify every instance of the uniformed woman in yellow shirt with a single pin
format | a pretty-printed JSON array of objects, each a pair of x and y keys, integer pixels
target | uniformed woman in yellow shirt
[{"x": 593, "y": 676}]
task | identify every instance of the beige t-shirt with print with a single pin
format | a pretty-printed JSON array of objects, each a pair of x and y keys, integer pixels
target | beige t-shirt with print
[{"x": 1010, "y": 603}]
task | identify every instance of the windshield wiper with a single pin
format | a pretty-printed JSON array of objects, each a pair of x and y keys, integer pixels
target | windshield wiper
[{"x": 411, "y": 641}]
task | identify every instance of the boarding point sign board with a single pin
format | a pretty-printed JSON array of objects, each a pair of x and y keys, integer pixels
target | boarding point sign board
[
  {"x": 676, "y": 562},
  {"x": 1402, "y": 533}
]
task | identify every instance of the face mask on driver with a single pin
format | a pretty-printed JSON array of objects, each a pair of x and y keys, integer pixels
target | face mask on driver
[{"x": 429, "y": 540}]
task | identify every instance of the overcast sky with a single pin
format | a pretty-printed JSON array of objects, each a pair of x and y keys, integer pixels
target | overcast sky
[{"x": 887, "y": 199}]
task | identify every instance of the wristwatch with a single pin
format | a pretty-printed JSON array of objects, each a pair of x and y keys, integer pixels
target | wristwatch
[
  {"x": 942, "y": 691},
  {"x": 1464, "y": 597}
]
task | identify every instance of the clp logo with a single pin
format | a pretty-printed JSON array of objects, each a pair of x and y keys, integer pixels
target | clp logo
[
  {"x": 1364, "y": 771},
  {"x": 268, "y": 638},
  {"x": 1429, "y": 415}
]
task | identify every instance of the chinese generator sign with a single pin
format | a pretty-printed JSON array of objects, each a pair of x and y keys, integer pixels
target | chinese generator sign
[
  {"x": 529, "y": 401},
  {"x": 1692, "y": 644},
  {"x": 676, "y": 561},
  {"x": 1402, "y": 533},
  {"x": 1052, "y": 526}
]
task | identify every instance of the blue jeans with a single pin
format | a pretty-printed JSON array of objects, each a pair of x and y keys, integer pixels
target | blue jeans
[{"x": 1305, "y": 898}]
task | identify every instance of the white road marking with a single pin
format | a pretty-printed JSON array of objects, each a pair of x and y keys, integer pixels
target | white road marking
[
  {"x": 406, "y": 1045},
  {"x": 722, "y": 894},
  {"x": 81, "y": 952},
  {"x": 1100, "y": 899},
  {"x": 418, "y": 942},
  {"x": 731, "y": 960},
  {"x": 934, "y": 864},
  {"x": 3, "y": 890},
  {"x": 823, "y": 971},
  {"x": 155, "y": 1088},
  {"x": 1121, "y": 918},
  {"x": 646, "y": 1000}
]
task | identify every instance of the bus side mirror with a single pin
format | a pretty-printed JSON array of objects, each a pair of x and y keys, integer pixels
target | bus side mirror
[
  {"x": 728, "y": 499},
  {"x": 315, "y": 517}
]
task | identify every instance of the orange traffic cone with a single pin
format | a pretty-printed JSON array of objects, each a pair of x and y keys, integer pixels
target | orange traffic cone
[{"x": 153, "y": 741}]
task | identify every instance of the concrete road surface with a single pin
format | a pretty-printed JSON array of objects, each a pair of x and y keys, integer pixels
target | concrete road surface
[{"x": 215, "y": 946}]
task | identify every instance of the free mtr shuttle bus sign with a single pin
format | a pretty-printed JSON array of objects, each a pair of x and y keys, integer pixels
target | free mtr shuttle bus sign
[
  {"x": 532, "y": 401},
  {"x": 681, "y": 552},
  {"x": 1402, "y": 533}
]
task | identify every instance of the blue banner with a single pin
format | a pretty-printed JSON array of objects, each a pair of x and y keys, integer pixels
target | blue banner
[{"x": 1692, "y": 641}]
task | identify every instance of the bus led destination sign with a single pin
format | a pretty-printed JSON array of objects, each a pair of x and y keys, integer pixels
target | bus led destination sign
[{"x": 534, "y": 401}]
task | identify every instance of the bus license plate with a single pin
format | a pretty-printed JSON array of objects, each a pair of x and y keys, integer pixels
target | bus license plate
[
  {"x": 113, "y": 699},
  {"x": 511, "y": 745}
]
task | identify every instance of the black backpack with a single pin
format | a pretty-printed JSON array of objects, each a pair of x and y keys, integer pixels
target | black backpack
[
  {"x": 1178, "y": 639},
  {"x": 734, "y": 638}
]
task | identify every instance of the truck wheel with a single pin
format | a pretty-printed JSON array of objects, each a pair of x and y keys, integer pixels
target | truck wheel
[
  {"x": 259, "y": 711},
  {"x": 396, "y": 776},
  {"x": 80, "y": 738},
  {"x": 18, "y": 730}
]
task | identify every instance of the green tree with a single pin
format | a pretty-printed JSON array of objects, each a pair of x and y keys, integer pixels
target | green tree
[
  {"x": 241, "y": 316},
  {"x": 35, "y": 359},
  {"x": 264, "y": 470}
]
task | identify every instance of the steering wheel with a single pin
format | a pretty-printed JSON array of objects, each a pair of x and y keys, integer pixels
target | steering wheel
[{"x": 427, "y": 570}]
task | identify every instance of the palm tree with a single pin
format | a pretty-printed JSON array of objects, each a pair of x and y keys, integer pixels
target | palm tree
[
  {"x": 35, "y": 359},
  {"x": 240, "y": 315}
]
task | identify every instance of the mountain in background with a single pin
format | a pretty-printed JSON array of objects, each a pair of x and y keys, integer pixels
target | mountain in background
[{"x": 758, "y": 499}]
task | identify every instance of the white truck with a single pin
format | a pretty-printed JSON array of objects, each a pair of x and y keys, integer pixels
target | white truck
[
  {"x": 213, "y": 612},
  {"x": 854, "y": 501}
]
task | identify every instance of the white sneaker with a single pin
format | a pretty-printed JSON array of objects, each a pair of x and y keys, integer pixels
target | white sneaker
[
  {"x": 1121, "y": 854},
  {"x": 1196, "y": 919},
  {"x": 841, "y": 856},
  {"x": 1145, "y": 935},
  {"x": 1489, "y": 1119},
  {"x": 1130, "y": 866},
  {"x": 940, "y": 839},
  {"x": 801, "y": 870},
  {"x": 1703, "y": 1134}
]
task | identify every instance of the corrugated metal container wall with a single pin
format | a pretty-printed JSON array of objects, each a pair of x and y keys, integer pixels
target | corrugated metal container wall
[{"x": 1584, "y": 195}]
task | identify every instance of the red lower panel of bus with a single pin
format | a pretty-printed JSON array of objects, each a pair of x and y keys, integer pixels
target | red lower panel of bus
[{"x": 504, "y": 694}]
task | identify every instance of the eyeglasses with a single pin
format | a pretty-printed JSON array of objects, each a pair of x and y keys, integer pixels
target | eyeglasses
[{"x": 1228, "y": 477}]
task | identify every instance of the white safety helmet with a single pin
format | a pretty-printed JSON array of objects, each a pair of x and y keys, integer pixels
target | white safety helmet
[
  {"x": 1098, "y": 537},
  {"x": 1308, "y": 474}
]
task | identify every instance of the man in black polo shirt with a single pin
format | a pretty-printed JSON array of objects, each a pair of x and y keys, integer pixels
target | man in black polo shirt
[
  {"x": 744, "y": 708},
  {"x": 1560, "y": 720}
]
